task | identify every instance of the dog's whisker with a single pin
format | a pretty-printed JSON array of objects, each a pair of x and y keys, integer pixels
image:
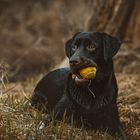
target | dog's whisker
[{"x": 90, "y": 89}]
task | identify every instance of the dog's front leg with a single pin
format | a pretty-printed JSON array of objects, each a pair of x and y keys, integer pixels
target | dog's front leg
[
  {"x": 62, "y": 109},
  {"x": 118, "y": 133}
]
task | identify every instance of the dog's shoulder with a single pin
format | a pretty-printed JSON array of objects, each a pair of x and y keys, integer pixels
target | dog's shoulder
[
  {"x": 50, "y": 88},
  {"x": 53, "y": 78}
]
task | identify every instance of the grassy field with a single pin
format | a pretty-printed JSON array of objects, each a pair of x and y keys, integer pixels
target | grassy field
[{"x": 19, "y": 121}]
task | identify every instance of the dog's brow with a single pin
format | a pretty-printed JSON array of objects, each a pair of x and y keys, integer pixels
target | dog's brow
[
  {"x": 87, "y": 41},
  {"x": 78, "y": 41}
]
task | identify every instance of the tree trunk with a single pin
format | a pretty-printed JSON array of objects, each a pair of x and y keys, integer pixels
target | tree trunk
[
  {"x": 111, "y": 16},
  {"x": 120, "y": 18}
]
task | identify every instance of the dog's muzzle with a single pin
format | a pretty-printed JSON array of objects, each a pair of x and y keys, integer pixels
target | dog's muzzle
[{"x": 78, "y": 64}]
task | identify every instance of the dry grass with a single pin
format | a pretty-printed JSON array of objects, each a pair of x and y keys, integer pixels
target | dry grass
[
  {"x": 129, "y": 103},
  {"x": 19, "y": 121}
]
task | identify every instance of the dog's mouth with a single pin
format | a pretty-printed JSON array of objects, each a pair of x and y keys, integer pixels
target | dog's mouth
[
  {"x": 79, "y": 79},
  {"x": 82, "y": 73}
]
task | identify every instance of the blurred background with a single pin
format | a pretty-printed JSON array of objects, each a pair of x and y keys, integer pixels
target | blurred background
[{"x": 33, "y": 32}]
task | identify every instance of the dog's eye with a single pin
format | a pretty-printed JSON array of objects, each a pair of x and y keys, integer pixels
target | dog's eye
[
  {"x": 90, "y": 48},
  {"x": 74, "y": 47}
]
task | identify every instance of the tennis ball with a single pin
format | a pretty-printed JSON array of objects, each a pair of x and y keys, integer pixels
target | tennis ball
[{"x": 88, "y": 73}]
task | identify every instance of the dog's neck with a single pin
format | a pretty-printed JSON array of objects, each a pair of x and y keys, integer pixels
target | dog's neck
[{"x": 87, "y": 97}]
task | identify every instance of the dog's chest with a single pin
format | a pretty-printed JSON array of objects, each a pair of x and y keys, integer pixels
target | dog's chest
[{"x": 81, "y": 97}]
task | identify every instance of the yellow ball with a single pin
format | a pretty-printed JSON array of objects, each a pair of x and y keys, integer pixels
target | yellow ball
[{"x": 88, "y": 73}]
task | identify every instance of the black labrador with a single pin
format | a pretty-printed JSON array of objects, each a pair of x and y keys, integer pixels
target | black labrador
[{"x": 90, "y": 103}]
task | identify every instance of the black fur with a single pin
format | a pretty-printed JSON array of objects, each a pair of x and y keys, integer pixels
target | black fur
[{"x": 91, "y": 104}]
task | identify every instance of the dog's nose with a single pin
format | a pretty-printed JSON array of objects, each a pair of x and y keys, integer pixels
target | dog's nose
[{"x": 74, "y": 61}]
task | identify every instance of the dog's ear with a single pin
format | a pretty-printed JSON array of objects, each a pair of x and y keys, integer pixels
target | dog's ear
[
  {"x": 68, "y": 48},
  {"x": 111, "y": 46},
  {"x": 68, "y": 45}
]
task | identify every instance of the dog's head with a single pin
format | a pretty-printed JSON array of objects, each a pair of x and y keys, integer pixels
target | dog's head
[{"x": 87, "y": 49}]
